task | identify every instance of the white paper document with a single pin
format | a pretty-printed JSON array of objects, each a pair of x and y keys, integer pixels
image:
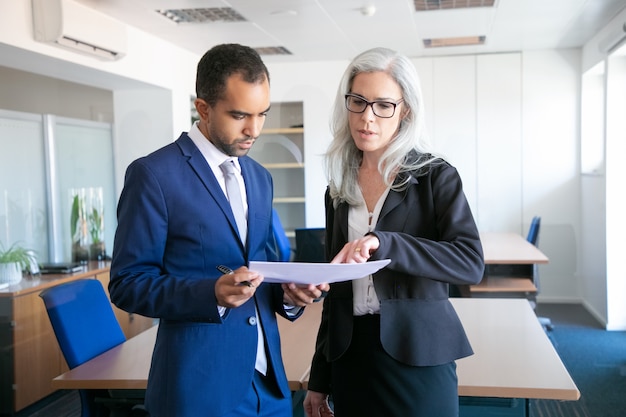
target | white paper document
[{"x": 314, "y": 273}]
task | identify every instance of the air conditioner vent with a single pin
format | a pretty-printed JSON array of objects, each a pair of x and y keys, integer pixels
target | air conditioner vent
[
  {"x": 202, "y": 15},
  {"x": 428, "y": 5}
]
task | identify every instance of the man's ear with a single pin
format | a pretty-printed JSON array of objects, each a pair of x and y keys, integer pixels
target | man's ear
[{"x": 203, "y": 108}]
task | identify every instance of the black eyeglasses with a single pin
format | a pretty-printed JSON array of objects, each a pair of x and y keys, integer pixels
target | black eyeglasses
[{"x": 381, "y": 108}]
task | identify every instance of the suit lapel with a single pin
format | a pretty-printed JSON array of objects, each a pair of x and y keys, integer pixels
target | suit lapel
[
  {"x": 394, "y": 198},
  {"x": 204, "y": 173}
]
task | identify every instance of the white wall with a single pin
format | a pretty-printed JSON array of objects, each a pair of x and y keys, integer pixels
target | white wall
[
  {"x": 551, "y": 181},
  {"x": 604, "y": 225},
  {"x": 33, "y": 93},
  {"x": 509, "y": 123}
]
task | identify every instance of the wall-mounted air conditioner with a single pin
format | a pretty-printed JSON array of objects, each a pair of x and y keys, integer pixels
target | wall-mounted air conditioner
[{"x": 74, "y": 26}]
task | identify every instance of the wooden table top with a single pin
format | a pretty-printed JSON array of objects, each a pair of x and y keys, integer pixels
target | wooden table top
[
  {"x": 38, "y": 283},
  {"x": 126, "y": 366},
  {"x": 513, "y": 356},
  {"x": 510, "y": 248},
  {"x": 503, "y": 285}
]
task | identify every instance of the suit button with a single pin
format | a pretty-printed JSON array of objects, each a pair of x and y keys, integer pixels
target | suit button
[{"x": 252, "y": 321}]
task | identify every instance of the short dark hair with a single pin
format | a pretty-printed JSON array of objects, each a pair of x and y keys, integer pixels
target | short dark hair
[{"x": 222, "y": 61}]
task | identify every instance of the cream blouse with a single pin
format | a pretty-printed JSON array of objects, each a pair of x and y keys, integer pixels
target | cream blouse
[{"x": 360, "y": 222}]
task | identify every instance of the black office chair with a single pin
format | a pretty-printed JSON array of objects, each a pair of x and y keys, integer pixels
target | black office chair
[
  {"x": 85, "y": 326},
  {"x": 310, "y": 245}
]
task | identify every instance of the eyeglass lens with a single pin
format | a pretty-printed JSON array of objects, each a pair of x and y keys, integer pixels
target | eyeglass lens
[{"x": 358, "y": 104}]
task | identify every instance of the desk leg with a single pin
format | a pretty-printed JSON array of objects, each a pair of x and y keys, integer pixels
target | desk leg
[
  {"x": 493, "y": 407},
  {"x": 297, "y": 399}
]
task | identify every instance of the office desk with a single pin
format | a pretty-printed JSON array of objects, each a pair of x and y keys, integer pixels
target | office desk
[
  {"x": 499, "y": 285},
  {"x": 506, "y": 248},
  {"x": 126, "y": 366},
  {"x": 513, "y": 356},
  {"x": 510, "y": 248}
]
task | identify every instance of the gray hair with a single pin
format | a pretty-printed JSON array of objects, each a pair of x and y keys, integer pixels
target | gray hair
[{"x": 343, "y": 158}]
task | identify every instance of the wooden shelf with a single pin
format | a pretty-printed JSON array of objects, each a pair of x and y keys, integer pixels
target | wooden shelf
[
  {"x": 283, "y": 131},
  {"x": 289, "y": 200},
  {"x": 284, "y": 165}
]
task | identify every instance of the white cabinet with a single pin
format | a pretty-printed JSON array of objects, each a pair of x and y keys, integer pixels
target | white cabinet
[{"x": 280, "y": 149}]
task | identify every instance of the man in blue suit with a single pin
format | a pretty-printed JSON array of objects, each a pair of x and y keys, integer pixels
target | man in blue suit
[{"x": 217, "y": 351}]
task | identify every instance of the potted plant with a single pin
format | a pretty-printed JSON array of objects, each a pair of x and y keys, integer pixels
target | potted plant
[
  {"x": 78, "y": 229},
  {"x": 13, "y": 261},
  {"x": 96, "y": 229}
]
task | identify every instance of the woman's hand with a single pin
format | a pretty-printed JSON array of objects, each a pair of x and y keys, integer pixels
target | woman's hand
[
  {"x": 316, "y": 405},
  {"x": 357, "y": 251}
]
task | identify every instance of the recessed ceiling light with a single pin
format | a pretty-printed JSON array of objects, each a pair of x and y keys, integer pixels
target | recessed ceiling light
[
  {"x": 460, "y": 41},
  {"x": 284, "y": 13},
  {"x": 273, "y": 50},
  {"x": 369, "y": 10}
]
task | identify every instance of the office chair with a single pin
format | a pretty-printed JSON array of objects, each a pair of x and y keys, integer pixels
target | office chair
[
  {"x": 533, "y": 237},
  {"x": 283, "y": 246},
  {"x": 310, "y": 245},
  {"x": 533, "y": 231},
  {"x": 85, "y": 326}
]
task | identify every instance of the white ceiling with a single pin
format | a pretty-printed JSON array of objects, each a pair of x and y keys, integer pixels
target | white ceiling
[{"x": 338, "y": 29}]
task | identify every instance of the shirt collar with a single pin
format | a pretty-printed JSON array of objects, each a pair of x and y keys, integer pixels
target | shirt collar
[{"x": 211, "y": 153}]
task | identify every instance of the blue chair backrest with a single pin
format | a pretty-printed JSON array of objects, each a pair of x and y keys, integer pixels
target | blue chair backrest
[
  {"x": 533, "y": 231},
  {"x": 283, "y": 246},
  {"x": 82, "y": 319}
]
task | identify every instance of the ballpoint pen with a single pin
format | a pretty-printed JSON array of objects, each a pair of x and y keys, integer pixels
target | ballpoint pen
[{"x": 226, "y": 270}]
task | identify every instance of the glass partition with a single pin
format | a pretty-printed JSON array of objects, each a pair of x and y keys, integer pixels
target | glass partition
[{"x": 42, "y": 159}]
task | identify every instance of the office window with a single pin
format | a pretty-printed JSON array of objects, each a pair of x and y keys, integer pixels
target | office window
[{"x": 592, "y": 121}]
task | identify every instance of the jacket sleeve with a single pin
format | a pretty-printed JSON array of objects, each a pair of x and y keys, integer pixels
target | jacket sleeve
[
  {"x": 437, "y": 238},
  {"x": 139, "y": 281}
]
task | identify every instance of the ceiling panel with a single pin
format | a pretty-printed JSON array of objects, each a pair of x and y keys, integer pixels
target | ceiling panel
[{"x": 340, "y": 29}]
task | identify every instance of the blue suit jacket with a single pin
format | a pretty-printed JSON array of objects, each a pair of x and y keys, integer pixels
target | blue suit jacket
[{"x": 175, "y": 226}]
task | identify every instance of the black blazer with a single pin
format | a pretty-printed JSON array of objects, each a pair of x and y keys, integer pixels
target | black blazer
[{"x": 429, "y": 233}]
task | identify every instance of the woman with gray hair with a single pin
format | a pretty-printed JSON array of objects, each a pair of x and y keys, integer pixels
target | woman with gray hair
[{"x": 388, "y": 342}]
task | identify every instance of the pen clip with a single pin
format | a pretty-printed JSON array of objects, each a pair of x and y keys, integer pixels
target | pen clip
[
  {"x": 227, "y": 271},
  {"x": 224, "y": 269}
]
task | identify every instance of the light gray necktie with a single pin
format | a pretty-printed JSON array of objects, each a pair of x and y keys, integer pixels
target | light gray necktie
[
  {"x": 236, "y": 204},
  {"x": 234, "y": 196}
]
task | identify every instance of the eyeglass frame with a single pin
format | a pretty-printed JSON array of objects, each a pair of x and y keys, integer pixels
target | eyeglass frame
[{"x": 371, "y": 104}]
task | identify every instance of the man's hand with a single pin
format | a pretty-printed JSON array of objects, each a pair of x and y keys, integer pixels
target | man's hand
[
  {"x": 232, "y": 290},
  {"x": 300, "y": 295}
]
